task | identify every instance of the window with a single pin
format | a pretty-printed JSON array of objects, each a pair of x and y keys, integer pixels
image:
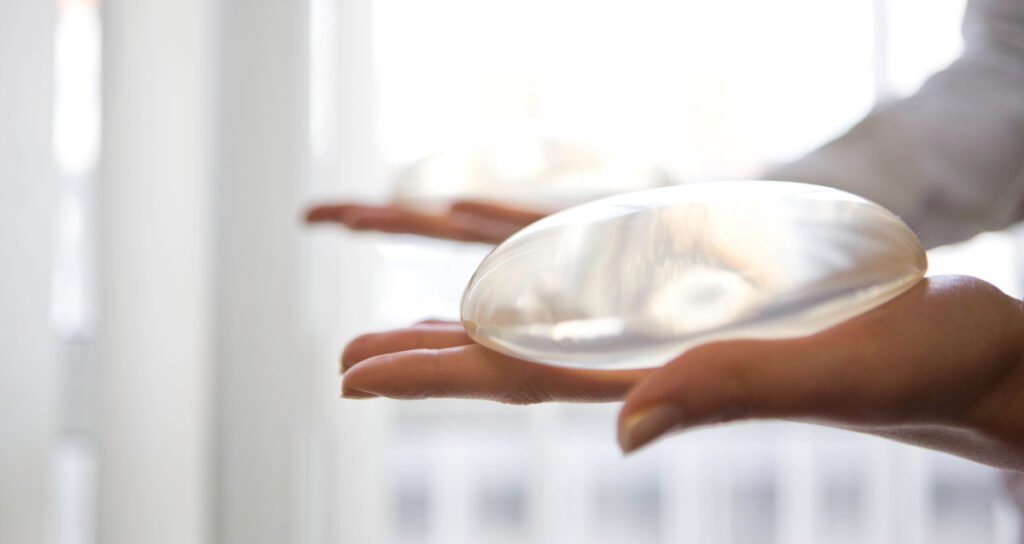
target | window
[{"x": 76, "y": 146}]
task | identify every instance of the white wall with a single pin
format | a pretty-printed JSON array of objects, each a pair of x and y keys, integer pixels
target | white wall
[
  {"x": 154, "y": 341},
  {"x": 27, "y": 379},
  {"x": 262, "y": 397}
]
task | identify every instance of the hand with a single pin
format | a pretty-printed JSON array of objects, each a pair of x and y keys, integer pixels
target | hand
[
  {"x": 438, "y": 359},
  {"x": 465, "y": 220},
  {"x": 941, "y": 366}
]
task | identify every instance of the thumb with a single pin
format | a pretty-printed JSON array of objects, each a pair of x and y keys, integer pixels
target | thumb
[{"x": 729, "y": 381}]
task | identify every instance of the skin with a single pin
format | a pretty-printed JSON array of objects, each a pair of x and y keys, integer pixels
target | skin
[
  {"x": 464, "y": 221},
  {"x": 941, "y": 366}
]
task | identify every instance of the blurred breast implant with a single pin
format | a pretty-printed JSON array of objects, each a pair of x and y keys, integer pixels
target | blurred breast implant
[{"x": 634, "y": 280}]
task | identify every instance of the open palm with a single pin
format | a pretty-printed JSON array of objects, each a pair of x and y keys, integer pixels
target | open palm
[{"x": 940, "y": 366}]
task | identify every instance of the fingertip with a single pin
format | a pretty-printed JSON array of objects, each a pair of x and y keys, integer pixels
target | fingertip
[
  {"x": 647, "y": 425},
  {"x": 353, "y": 379},
  {"x": 356, "y": 350},
  {"x": 656, "y": 388},
  {"x": 355, "y": 387},
  {"x": 325, "y": 213},
  {"x": 377, "y": 376},
  {"x": 314, "y": 215},
  {"x": 355, "y": 394}
]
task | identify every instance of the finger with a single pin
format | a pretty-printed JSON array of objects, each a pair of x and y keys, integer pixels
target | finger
[
  {"x": 500, "y": 212},
  {"x": 421, "y": 336},
  {"x": 474, "y": 372},
  {"x": 869, "y": 372},
  {"x": 384, "y": 218},
  {"x": 438, "y": 321},
  {"x": 398, "y": 220},
  {"x": 328, "y": 213},
  {"x": 738, "y": 380},
  {"x": 447, "y": 227}
]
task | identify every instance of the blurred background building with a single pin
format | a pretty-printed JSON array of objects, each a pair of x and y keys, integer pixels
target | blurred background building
[{"x": 169, "y": 331}]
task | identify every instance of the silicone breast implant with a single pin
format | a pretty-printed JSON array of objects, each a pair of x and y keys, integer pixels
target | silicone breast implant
[{"x": 634, "y": 280}]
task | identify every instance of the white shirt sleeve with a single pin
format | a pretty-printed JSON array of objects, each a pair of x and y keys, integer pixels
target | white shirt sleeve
[{"x": 950, "y": 159}]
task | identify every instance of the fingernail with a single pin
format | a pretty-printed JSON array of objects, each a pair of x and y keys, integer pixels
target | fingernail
[
  {"x": 355, "y": 394},
  {"x": 644, "y": 427}
]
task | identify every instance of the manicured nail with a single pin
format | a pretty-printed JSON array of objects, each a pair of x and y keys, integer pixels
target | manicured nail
[
  {"x": 355, "y": 394},
  {"x": 644, "y": 427}
]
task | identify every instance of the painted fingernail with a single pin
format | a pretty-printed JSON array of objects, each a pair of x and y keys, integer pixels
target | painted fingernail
[
  {"x": 644, "y": 427},
  {"x": 355, "y": 394}
]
